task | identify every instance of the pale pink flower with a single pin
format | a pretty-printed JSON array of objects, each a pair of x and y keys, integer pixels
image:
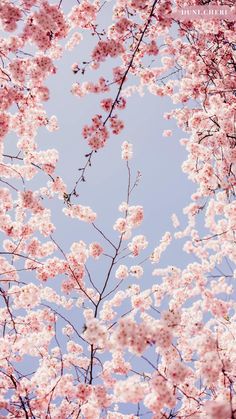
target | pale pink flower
[
  {"x": 167, "y": 133},
  {"x": 122, "y": 272}
]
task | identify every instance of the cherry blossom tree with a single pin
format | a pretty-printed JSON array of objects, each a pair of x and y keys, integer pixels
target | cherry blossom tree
[{"x": 133, "y": 346}]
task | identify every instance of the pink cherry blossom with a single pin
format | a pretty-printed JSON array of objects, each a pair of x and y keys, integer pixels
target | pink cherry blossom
[
  {"x": 127, "y": 150},
  {"x": 81, "y": 337}
]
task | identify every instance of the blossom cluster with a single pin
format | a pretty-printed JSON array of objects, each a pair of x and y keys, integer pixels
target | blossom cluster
[{"x": 99, "y": 340}]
